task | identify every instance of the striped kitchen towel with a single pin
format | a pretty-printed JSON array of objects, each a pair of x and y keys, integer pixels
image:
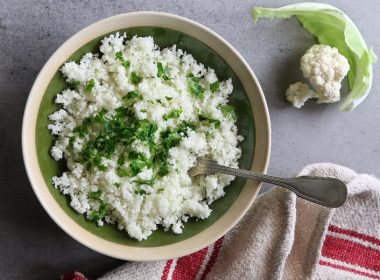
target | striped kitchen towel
[{"x": 284, "y": 237}]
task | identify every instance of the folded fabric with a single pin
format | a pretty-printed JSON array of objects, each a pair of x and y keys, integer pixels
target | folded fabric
[{"x": 285, "y": 237}]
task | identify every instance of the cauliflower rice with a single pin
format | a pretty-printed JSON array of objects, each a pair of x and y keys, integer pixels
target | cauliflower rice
[{"x": 132, "y": 123}]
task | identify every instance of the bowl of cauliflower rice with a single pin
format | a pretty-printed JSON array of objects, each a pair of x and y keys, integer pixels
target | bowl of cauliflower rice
[{"x": 117, "y": 117}]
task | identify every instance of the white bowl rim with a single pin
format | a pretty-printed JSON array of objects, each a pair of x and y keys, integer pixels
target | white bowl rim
[{"x": 90, "y": 240}]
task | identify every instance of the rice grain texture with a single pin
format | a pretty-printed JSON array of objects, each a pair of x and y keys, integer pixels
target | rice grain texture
[{"x": 178, "y": 111}]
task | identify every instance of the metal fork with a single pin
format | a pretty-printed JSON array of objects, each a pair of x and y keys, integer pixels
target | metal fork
[{"x": 329, "y": 192}]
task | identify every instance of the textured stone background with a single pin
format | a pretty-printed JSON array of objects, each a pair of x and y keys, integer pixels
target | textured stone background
[{"x": 31, "y": 245}]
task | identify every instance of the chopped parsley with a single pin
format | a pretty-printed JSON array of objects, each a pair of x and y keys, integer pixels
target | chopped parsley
[
  {"x": 228, "y": 111},
  {"x": 125, "y": 63},
  {"x": 95, "y": 195},
  {"x": 162, "y": 72},
  {"x": 99, "y": 214},
  {"x": 168, "y": 98},
  {"x": 214, "y": 87},
  {"x": 71, "y": 142},
  {"x": 107, "y": 132},
  {"x": 173, "y": 114},
  {"x": 74, "y": 84},
  {"x": 90, "y": 85},
  {"x": 194, "y": 87},
  {"x": 204, "y": 118},
  {"x": 145, "y": 130},
  {"x": 132, "y": 94},
  {"x": 140, "y": 191},
  {"x": 146, "y": 182},
  {"x": 135, "y": 79}
]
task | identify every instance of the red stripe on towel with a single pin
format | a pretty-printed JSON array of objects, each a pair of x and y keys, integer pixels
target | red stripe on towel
[
  {"x": 165, "y": 273},
  {"x": 344, "y": 268},
  {"x": 214, "y": 255},
  {"x": 351, "y": 252},
  {"x": 355, "y": 234},
  {"x": 187, "y": 267}
]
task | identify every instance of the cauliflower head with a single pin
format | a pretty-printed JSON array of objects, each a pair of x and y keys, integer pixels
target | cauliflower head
[
  {"x": 299, "y": 93},
  {"x": 325, "y": 68}
]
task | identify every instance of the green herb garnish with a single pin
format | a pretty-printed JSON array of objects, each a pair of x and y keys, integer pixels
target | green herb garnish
[
  {"x": 74, "y": 84},
  {"x": 214, "y": 87},
  {"x": 145, "y": 130},
  {"x": 173, "y": 114},
  {"x": 162, "y": 71},
  {"x": 71, "y": 142},
  {"x": 125, "y": 63},
  {"x": 140, "y": 191},
  {"x": 135, "y": 79},
  {"x": 204, "y": 118},
  {"x": 90, "y": 85},
  {"x": 194, "y": 87},
  {"x": 228, "y": 111},
  {"x": 168, "y": 98},
  {"x": 146, "y": 182},
  {"x": 95, "y": 195},
  {"x": 99, "y": 214},
  {"x": 132, "y": 94}
]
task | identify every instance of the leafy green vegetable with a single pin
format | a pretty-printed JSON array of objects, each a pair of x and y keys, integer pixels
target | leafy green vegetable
[
  {"x": 183, "y": 127},
  {"x": 99, "y": 214},
  {"x": 106, "y": 133},
  {"x": 135, "y": 79},
  {"x": 163, "y": 170},
  {"x": 145, "y": 130},
  {"x": 136, "y": 166},
  {"x": 194, "y": 87},
  {"x": 95, "y": 195},
  {"x": 132, "y": 94},
  {"x": 74, "y": 84},
  {"x": 138, "y": 162},
  {"x": 204, "y": 118},
  {"x": 168, "y": 98},
  {"x": 90, "y": 85},
  {"x": 171, "y": 140},
  {"x": 140, "y": 191},
  {"x": 162, "y": 71},
  {"x": 125, "y": 63},
  {"x": 146, "y": 182},
  {"x": 333, "y": 27},
  {"x": 228, "y": 111},
  {"x": 214, "y": 87},
  {"x": 132, "y": 97},
  {"x": 173, "y": 114},
  {"x": 71, "y": 142}
]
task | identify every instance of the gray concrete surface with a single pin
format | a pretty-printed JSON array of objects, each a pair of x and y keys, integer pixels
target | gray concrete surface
[{"x": 31, "y": 245}]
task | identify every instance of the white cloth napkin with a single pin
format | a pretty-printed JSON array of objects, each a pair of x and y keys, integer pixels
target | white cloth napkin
[{"x": 285, "y": 237}]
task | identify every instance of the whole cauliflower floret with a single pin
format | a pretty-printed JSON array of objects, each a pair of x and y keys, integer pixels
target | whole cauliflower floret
[
  {"x": 325, "y": 68},
  {"x": 299, "y": 93}
]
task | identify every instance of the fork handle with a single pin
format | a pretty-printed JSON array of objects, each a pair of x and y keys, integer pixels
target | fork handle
[{"x": 325, "y": 191}]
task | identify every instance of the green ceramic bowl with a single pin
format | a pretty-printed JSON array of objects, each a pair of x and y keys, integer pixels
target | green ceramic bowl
[{"x": 253, "y": 123}]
